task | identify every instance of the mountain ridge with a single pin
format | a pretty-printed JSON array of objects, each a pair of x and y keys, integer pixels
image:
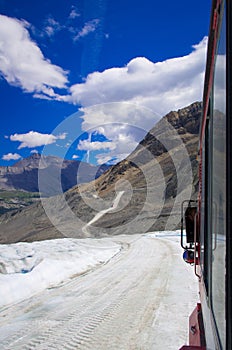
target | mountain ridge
[
  {"x": 23, "y": 175},
  {"x": 155, "y": 178}
]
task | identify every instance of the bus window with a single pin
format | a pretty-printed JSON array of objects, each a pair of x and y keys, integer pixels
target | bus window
[{"x": 218, "y": 189}]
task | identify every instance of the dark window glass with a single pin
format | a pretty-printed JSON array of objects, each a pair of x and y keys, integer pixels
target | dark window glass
[
  {"x": 205, "y": 266},
  {"x": 218, "y": 190}
]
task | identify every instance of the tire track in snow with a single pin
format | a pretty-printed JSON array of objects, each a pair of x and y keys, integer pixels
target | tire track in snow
[{"x": 114, "y": 307}]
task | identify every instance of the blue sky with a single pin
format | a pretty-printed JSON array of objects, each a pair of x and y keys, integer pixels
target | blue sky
[{"x": 118, "y": 66}]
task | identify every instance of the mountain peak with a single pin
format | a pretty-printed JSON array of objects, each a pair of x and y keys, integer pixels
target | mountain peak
[
  {"x": 31, "y": 161},
  {"x": 23, "y": 175},
  {"x": 186, "y": 120}
]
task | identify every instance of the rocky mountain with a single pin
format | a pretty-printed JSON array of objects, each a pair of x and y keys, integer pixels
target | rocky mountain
[
  {"x": 142, "y": 193},
  {"x": 23, "y": 175}
]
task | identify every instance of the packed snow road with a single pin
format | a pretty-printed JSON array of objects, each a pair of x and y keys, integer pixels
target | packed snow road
[{"x": 140, "y": 299}]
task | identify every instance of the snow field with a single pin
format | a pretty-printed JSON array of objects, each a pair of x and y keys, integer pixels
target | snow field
[{"x": 29, "y": 268}]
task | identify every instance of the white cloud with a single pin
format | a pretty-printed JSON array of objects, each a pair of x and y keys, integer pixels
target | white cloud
[
  {"x": 105, "y": 158},
  {"x": 125, "y": 141},
  {"x": 75, "y": 156},
  {"x": 34, "y": 151},
  {"x": 11, "y": 156},
  {"x": 61, "y": 136},
  {"x": 113, "y": 119},
  {"x": 22, "y": 62},
  {"x": 160, "y": 86},
  {"x": 86, "y": 145},
  {"x": 133, "y": 122},
  {"x": 35, "y": 139},
  {"x": 134, "y": 96},
  {"x": 125, "y": 138},
  {"x": 220, "y": 84},
  {"x": 127, "y": 102},
  {"x": 52, "y": 26},
  {"x": 74, "y": 13},
  {"x": 89, "y": 27}
]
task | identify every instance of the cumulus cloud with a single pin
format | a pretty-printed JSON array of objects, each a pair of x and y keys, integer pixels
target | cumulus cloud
[
  {"x": 35, "y": 139},
  {"x": 116, "y": 118},
  {"x": 124, "y": 139},
  {"x": 89, "y": 27},
  {"x": 106, "y": 159},
  {"x": 137, "y": 95},
  {"x": 90, "y": 146},
  {"x": 22, "y": 63},
  {"x": 86, "y": 145},
  {"x": 133, "y": 122},
  {"x": 125, "y": 142},
  {"x": 75, "y": 156},
  {"x": 220, "y": 84},
  {"x": 160, "y": 86},
  {"x": 11, "y": 156}
]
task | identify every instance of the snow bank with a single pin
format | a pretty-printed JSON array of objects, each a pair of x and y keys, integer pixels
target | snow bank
[
  {"x": 29, "y": 268},
  {"x": 172, "y": 235}
]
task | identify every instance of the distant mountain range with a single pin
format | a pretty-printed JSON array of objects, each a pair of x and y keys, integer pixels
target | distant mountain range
[
  {"x": 155, "y": 178},
  {"x": 19, "y": 185},
  {"x": 23, "y": 175}
]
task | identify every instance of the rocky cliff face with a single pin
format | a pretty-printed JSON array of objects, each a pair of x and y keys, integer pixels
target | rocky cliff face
[
  {"x": 153, "y": 180},
  {"x": 162, "y": 171}
]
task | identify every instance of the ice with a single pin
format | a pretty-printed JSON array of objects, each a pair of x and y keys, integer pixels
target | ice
[{"x": 29, "y": 268}]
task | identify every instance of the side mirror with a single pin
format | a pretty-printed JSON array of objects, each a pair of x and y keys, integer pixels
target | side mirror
[
  {"x": 190, "y": 232},
  {"x": 190, "y": 213},
  {"x": 188, "y": 224},
  {"x": 188, "y": 256}
]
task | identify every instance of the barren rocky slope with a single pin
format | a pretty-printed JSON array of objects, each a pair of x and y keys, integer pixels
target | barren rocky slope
[{"x": 155, "y": 179}]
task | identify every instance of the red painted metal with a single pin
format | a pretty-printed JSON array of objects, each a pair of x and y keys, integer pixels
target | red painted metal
[
  {"x": 208, "y": 88},
  {"x": 210, "y": 73},
  {"x": 196, "y": 331},
  {"x": 196, "y": 328}
]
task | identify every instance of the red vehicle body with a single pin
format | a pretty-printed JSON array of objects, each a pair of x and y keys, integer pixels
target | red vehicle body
[{"x": 209, "y": 247}]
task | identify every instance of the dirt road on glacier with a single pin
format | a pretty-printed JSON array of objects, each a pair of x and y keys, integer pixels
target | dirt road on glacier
[{"x": 140, "y": 299}]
